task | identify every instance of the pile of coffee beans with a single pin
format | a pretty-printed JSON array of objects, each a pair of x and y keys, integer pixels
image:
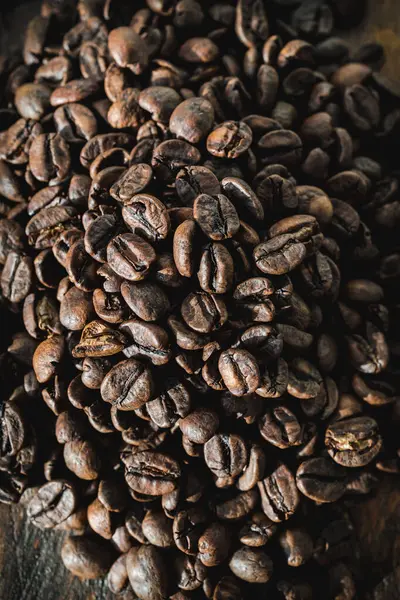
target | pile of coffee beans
[{"x": 199, "y": 261}]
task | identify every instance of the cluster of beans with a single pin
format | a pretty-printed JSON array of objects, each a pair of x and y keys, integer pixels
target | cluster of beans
[{"x": 198, "y": 263}]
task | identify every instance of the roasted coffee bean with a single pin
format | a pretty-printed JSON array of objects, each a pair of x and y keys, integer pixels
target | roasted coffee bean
[
  {"x": 281, "y": 428},
  {"x": 226, "y": 455},
  {"x": 171, "y": 156},
  {"x": 229, "y": 140},
  {"x": 279, "y": 495},
  {"x": 239, "y": 371},
  {"x": 53, "y": 503},
  {"x": 82, "y": 459},
  {"x": 321, "y": 480},
  {"x": 130, "y": 256},
  {"x": 101, "y": 143},
  {"x": 353, "y": 442},
  {"x": 199, "y": 426},
  {"x": 214, "y": 545},
  {"x": 132, "y": 182},
  {"x": 279, "y": 255},
  {"x": 216, "y": 216},
  {"x": 147, "y": 216},
  {"x": 151, "y": 473},
  {"x": 146, "y": 299},
  {"x": 16, "y": 277},
  {"x": 216, "y": 269},
  {"x": 257, "y": 531},
  {"x": 192, "y": 119},
  {"x": 251, "y": 565},
  {"x": 127, "y": 385},
  {"x": 188, "y": 526},
  {"x": 75, "y": 90},
  {"x": 86, "y": 557},
  {"x": 146, "y": 340},
  {"x": 98, "y": 340}
]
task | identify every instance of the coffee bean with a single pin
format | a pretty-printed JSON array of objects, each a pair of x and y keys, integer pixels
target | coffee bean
[
  {"x": 225, "y": 455},
  {"x": 130, "y": 256},
  {"x": 16, "y": 277},
  {"x": 353, "y": 442},
  {"x": 151, "y": 473},
  {"x": 147, "y": 341},
  {"x": 75, "y": 123},
  {"x": 229, "y": 140},
  {"x": 147, "y": 216},
  {"x": 251, "y": 565},
  {"x": 85, "y": 557},
  {"x": 321, "y": 480},
  {"x": 279, "y": 495},
  {"x": 192, "y": 119},
  {"x": 54, "y": 502},
  {"x": 127, "y": 385}
]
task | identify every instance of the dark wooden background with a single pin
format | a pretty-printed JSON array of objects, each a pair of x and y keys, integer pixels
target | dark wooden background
[{"x": 30, "y": 564}]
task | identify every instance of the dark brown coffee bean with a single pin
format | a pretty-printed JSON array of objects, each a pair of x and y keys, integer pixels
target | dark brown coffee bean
[
  {"x": 225, "y": 455},
  {"x": 200, "y": 425},
  {"x": 16, "y": 277},
  {"x": 214, "y": 545},
  {"x": 131, "y": 182},
  {"x": 297, "y": 546},
  {"x": 188, "y": 526},
  {"x": 229, "y": 139},
  {"x": 146, "y": 340},
  {"x": 98, "y": 235},
  {"x": 75, "y": 90},
  {"x": 251, "y": 22},
  {"x": 85, "y": 557},
  {"x": 130, "y": 256},
  {"x": 47, "y": 356},
  {"x": 82, "y": 269},
  {"x": 186, "y": 338},
  {"x": 198, "y": 50},
  {"x": 171, "y": 156},
  {"x": 192, "y": 181},
  {"x": 191, "y": 574},
  {"x": 353, "y": 442},
  {"x": 52, "y": 504},
  {"x": 40, "y": 315},
  {"x": 157, "y": 529},
  {"x": 183, "y": 247},
  {"x": 151, "y": 473},
  {"x": 49, "y": 158},
  {"x": 192, "y": 120},
  {"x": 82, "y": 459},
  {"x": 216, "y": 269},
  {"x": 75, "y": 123},
  {"x": 128, "y": 385},
  {"x": 321, "y": 480},
  {"x": 281, "y": 428},
  {"x": 369, "y": 354},
  {"x": 147, "y": 216},
  {"x": 147, "y": 300},
  {"x": 101, "y": 143},
  {"x": 98, "y": 340},
  {"x": 160, "y": 102},
  {"x": 239, "y": 371},
  {"x": 32, "y": 100},
  {"x": 279, "y": 255},
  {"x": 251, "y": 565},
  {"x": 127, "y": 49},
  {"x": 216, "y": 216},
  {"x": 203, "y": 312},
  {"x": 279, "y": 495}
]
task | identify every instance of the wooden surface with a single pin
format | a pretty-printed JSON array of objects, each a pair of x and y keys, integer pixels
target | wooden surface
[{"x": 30, "y": 564}]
